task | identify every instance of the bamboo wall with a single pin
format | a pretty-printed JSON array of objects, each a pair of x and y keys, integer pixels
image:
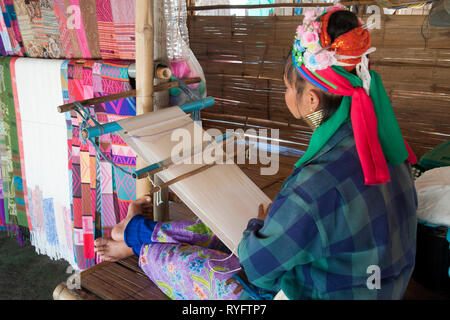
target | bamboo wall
[{"x": 242, "y": 58}]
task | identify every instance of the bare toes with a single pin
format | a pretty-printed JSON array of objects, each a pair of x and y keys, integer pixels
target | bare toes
[
  {"x": 100, "y": 242},
  {"x": 99, "y": 249}
]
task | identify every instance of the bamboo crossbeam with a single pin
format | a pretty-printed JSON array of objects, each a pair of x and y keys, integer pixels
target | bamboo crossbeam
[
  {"x": 278, "y": 5},
  {"x": 123, "y": 95},
  {"x": 103, "y": 99}
]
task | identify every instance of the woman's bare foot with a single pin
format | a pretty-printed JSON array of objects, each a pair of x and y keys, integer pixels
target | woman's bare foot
[
  {"x": 111, "y": 250},
  {"x": 142, "y": 205}
]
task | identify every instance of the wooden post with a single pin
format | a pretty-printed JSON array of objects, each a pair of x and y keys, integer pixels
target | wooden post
[{"x": 144, "y": 85}]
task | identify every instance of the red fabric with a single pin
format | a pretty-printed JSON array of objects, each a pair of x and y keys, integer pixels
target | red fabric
[
  {"x": 88, "y": 240},
  {"x": 412, "y": 157},
  {"x": 364, "y": 123},
  {"x": 352, "y": 43}
]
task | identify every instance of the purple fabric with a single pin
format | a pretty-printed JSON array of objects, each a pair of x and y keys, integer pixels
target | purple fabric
[{"x": 182, "y": 262}]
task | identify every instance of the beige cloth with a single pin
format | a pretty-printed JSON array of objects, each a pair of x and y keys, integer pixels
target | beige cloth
[{"x": 223, "y": 197}]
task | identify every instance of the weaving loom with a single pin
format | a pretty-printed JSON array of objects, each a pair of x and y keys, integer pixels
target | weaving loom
[{"x": 222, "y": 196}]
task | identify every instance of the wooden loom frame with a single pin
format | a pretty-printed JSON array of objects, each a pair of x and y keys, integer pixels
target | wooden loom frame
[{"x": 144, "y": 103}]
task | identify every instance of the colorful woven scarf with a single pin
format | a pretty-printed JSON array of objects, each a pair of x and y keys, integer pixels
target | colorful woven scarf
[
  {"x": 15, "y": 210},
  {"x": 377, "y": 134}
]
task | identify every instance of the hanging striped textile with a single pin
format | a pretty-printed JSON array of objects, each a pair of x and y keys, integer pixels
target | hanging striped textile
[
  {"x": 124, "y": 27},
  {"x": 10, "y": 18},
  {"x": 100, "y": 193},
  {"x": 89, "y": 24},
  {"x": 13, "y": 189},
  {"x": 111, "y": 78},
  {"x": 65, "y": 24},
  {"x": 108, "y": 44},
  {"x": 39, "y": 28},
  {"x": 68, "y": 121},
  {"x": 80, "y": 170},
  {"x": 2, "y": 198},
  {"x": 78, "y": 28},
  {"x": 88, "y": 29},
  {"x": 5, "y": 46}
]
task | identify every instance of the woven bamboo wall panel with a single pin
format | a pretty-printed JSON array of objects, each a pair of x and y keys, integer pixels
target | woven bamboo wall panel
[{"x": 243, "y": 58}]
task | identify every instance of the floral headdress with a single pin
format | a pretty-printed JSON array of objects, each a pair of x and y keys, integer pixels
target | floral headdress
[
  {"x": 326, "y": 65},
  {"x": 313, "y": 47},
  {"x": 307, "y": 48}
]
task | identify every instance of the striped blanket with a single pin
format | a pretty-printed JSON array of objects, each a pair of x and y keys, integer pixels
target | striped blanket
[
  {"x": 89, "y": 29},
  {"x": 39, "y": 28},
  {"x": 14, "y": 38},
  {"x": 13, "y": 191},
  {"x": 100, "y": 193}
]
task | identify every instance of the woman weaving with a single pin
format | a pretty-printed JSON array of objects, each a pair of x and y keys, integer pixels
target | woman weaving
[{"x": 349, "y": 205}]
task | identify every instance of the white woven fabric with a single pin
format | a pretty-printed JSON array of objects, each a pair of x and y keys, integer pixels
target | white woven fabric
[
  {"x": 44, "y": 136},
  {"x": 223, "y": 197}
]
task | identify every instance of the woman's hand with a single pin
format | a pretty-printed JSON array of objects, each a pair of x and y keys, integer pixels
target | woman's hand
[
  {"x": 262, "y": 213},
  {"x": 239, "y": 286}
]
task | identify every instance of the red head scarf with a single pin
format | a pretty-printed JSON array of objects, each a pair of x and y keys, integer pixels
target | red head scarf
[{"x": 352, "y": 43}]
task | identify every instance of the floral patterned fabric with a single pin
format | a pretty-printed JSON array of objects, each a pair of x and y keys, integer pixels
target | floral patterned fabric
[{"x": 188, "y": 262}]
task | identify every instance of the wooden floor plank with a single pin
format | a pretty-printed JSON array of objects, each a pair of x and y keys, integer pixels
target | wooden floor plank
[
  {"x": 97, "y": 285},
  {"x": 132, "y": 264},
  {"x": 118, "y": 282},
  {"x": 135, "y": 279}
]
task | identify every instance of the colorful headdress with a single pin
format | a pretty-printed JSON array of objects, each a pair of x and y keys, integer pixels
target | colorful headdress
[{"x": 326, "y": 65}]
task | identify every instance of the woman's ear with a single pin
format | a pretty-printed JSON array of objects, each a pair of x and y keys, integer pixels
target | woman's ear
[
  {"x": 313, "y": 99},
  {"x": 310, "y": 100}
]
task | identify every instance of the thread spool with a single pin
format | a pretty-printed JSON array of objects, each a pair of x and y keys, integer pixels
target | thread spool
[{"x": 163, "y": 72}]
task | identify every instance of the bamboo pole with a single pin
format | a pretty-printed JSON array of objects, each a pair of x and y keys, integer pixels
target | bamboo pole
[
  {"x": 277, "y": 5},
  {"x": 145, "y": 74},
  {"x": 61, "y": 292},
  {"x": 192, "y": 8}
]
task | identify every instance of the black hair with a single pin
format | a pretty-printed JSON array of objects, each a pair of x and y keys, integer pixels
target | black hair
[{"x": 340, "y": 22}]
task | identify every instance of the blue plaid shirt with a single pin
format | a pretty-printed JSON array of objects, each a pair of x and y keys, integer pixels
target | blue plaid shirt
[{"x": 326, "y": 230}]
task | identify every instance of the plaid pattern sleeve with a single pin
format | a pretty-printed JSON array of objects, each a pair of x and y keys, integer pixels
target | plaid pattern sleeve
[
  {"x": 327, "y": 231},
  {"x": 269, "y": 251}
]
